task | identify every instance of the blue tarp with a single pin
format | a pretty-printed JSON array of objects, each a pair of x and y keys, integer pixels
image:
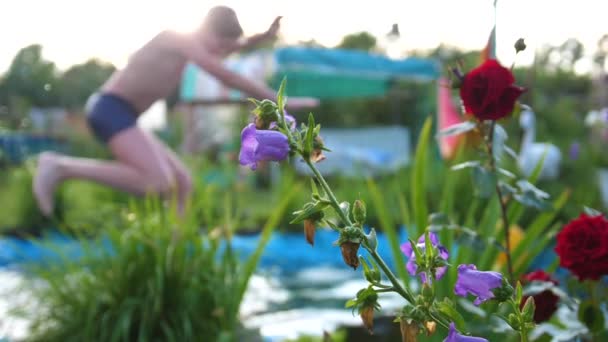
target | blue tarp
[
  {"x": 359, "y": 63},
  {"x": 16, "y": 147},
  {"x": 285, "y": 252}
]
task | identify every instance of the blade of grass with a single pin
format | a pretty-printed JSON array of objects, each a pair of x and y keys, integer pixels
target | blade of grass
[
  {"x": 418, "y": 180},
  {"x": 388, "y": 226},
  {"x": 267, "y": 230}
]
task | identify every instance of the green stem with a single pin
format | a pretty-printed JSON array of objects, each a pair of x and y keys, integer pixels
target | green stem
[
  {"x": 405, "y": 293},
  {"x": 439, "y": 319},
  {"x": 330, "y": 194},
  {"x": 503, "y": 206},
  {"x": 388, "y": 289},
  {"x": 524, "y": 335}
]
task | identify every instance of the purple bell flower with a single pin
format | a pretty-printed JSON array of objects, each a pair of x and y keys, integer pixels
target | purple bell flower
[
  {"x": 477, "y": 283},
  {"x": 411, "y": 266},
  {"x": 261, "y": 145},
  {"x": 454, "y": 336}
]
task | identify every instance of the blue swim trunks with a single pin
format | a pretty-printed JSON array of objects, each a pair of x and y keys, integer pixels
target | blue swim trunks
[{"x": 109, "y": 114}]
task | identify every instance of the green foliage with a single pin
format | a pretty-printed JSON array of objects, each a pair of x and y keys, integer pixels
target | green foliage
[
  {"x": 81, "y": 80},
  {"x": 19, "y": 211},
  {"x": 152, "y": 276},
  {"x": 158, "y": 281},
  {"x": 358, "y": 41},
  {"x": 32, "y": 77}
]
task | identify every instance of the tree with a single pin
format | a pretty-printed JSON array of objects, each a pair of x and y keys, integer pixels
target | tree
[
  {"x": 358, "y": 41},
  {"x": 31, "y": 78},
  {"x": 80, "y": 81}
]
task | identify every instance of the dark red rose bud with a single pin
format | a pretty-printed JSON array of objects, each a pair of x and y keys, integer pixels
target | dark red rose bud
[
  {"x": 488, "y": 91},
  {"x": 546, "y": 301}
]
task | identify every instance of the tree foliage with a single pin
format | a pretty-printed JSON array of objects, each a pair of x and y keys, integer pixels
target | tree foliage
[{"x": 358, "y": 41}]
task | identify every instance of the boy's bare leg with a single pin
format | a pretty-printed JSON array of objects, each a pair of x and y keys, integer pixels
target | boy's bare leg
[
  {"x": 139, "y": 169},
  {"x": 178, "y": 169}
]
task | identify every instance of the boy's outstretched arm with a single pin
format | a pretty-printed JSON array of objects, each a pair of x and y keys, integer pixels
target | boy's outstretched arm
[
  {"x": 216, "y": 68},
  {"x": 256, "y": 39},
  {"x": 254, "y": 89}
]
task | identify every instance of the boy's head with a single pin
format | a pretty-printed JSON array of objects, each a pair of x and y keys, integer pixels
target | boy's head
[{"x": 221, "y": 29}]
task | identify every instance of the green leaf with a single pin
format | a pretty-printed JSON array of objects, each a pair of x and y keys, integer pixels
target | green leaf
[
  {"x": 509, "y": 151},
  {"x": 418, "y": 180},
  {"x": 428, "y": 246},
  {"x": 524, "y": 185},
  {"x": 460, "y": 128},
  {"x": 484, "y": 182},
  {"x": 315, "y": 190},
  {"x": 309, "y": 209},
  {"x": 281, "y": 96},
  {"x": 530, "y": 199},
  {"x": 498, "y": 142},
  {"x": 506, "y": 173},
  {"x": 416, "y": 250},
  {"x": 378, "y": 200},
  {"x": 591, "y": 212},
  {"x": 447, "y": 308},
  {"x": 252, "y": 262},
  {"x": 467, "y": 164},
  {"x": 518, "y": 293},
  {"x": 592, "y": 316},
  {"x": 308, "y": 142}
]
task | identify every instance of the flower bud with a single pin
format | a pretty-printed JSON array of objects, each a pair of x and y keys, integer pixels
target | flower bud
[
  {"x": 367, "y": 316},
  {"x": 317, "y": 155},
  {"x": 359, "y": 212},
  {"x": 513, "y": 322},
  {"x": 409, "y": 330},
  {"x": 265, "y": 112},
  {"x": 427, "y": 293},
  {"x": 528, "y": 310},
  {"x": 520, "y": 45},
  {"x": 349, "y": 253},
  {"x": 309, "y": 231},
  {"x": 503, "y": 293}
]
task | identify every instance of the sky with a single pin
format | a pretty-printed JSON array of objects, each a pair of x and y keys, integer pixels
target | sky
[{"x": 72, "y": 31}]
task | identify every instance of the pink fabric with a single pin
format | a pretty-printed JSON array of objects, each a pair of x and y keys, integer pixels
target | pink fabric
[{"x": 448, "y": 116}]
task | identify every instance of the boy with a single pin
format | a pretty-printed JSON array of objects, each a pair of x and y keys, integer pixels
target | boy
[{"x": 143, "y": 163}]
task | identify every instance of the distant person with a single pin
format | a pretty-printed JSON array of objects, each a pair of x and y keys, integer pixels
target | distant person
[{"x": 143, "y": 163}]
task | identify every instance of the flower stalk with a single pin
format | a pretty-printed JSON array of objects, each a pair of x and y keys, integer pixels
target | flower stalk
[{"x": 503, "y": 206}]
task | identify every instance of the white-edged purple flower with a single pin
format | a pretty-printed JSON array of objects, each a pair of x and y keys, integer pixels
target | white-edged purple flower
[
  {"x": 260, "y": 145},
  {"x": 411, "y": 266},
  {"x": 454, "y": 336},
  {"x": 477, "y": 283}
]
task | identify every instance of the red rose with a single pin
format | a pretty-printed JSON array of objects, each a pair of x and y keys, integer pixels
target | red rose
[
  {"x": 582, "y": 247},
  {"x": 488, "y": 91},
  {"x": 546, "y": 301}
]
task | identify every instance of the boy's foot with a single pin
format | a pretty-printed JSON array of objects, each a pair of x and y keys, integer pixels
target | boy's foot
[{"x": 45, "y": 180}]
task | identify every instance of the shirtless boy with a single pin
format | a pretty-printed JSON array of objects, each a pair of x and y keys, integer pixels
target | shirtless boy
[{"x": 143, "y": 164}]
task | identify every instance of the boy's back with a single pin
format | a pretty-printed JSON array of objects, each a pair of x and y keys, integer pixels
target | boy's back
[{"x": 152, "y": 73}]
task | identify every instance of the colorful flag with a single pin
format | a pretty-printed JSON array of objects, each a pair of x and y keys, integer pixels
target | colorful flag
[
  {"x": 489, "y": 52},
  {"x": 448, "y": 112}
]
